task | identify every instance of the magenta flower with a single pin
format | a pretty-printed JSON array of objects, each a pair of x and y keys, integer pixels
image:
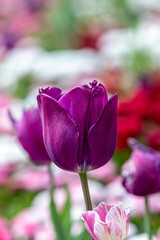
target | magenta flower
[
  {"x": 29, "y": 133},
  {"x": 5, "y": 233},
  {"x": 80, "y": 128},
  {"x": 107, "y": 222},
  {"x": 141, "y": 173}
]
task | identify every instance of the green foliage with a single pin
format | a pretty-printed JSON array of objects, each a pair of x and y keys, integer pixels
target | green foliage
[
  {"x": 123, "y": 13},
  {"x": 13, "y": 202},
  {"x": 61, "y": 33},
  {"x": 66, "y": 215},
  {"x": 83, "y": 236},
  {"x": 139, "y": 222},
  {"x": 22, "y": 87},
  {"x": 65, "y": 221},
  {"x": 139, "y": 62},
  {"x": 120, "y": 157}
]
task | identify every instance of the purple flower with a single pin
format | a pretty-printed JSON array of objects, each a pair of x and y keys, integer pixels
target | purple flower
[
  {"x": 9, "y": 38},
  {"x": 141, "y": 173},
  {"x": 80, "y": 127},
  {"x": 29, "y": 133},
  {"x": 34, "y": 5}
]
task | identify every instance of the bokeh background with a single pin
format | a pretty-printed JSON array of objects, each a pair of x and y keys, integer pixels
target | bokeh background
[{"x": 66, "y": 43}]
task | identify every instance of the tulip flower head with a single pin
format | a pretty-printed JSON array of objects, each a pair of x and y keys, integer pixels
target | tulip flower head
[
  {"x": 107, "y": 222},
  {"x": 29, "y": 133},
  {"x": 79, "y": 127},
  {"x": 141, "y": 173}
]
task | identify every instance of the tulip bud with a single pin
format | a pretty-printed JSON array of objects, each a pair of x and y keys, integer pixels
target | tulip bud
[
  {"x": 79, "y": 127},
  {"x": 141, "y": 173}
]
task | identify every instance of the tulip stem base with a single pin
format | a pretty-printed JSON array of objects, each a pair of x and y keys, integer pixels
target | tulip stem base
[
  {"x": 53, "y": 211},
  {"x": 147, "y": 220},
  {"x": 85, "y": 188}
]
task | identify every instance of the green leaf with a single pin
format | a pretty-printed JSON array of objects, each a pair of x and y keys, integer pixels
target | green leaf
[
  {"x": 61, "y": 21},
  {"x": 22, "y": 86},
  {"x": 139, "y": 61},
  {"x": 13, "y": 202},
  {"x": 83, "y": 236},
  {"x": 66, "y": 214}
]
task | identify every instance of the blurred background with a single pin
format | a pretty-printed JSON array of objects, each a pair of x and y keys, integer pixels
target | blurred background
[{"x": 66, "y": 43}]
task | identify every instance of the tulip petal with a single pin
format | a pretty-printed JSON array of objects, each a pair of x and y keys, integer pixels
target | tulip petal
[
  {"x": 98, "y": 100},
  {"x": 76, "y": 103},
  {"x": 147, "y": 167},
  {"x": 29, "y": 133},
  {"x": 134, "y": 144},
  {"x": 117, "y": 214},
  {"x": 101, "y": 231},
  {"x": 116, "y": 232},
  {"x": 102, "y": 135},
  {"x": 90, "y": 218},
  {"x": 60, "y": 133},
  {"x": 102, "y": 210},
  {"x": 119, "y": 221},
  {"x": 142, "y": 167},
  {"x": 52, "y": 92}
]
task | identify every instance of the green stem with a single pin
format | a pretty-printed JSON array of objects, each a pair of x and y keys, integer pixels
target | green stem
[
  {"x": 54, "y": 214},
  {"x": 84, "y": 183},
  {"x": 147, "y": 220}
]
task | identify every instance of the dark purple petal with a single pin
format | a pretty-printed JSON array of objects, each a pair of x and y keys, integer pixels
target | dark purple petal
[
  {"x": 84, "y": 104},
  {"x": 98, "y": 100},
  {"x": 134, "y": 144},
  {"x": 14, "y": 122},
  {"x": 60, "y": 133},
  {"x": 29, "y": 133},
  {"x": 52, "y": 92},
  {"x": 102, "y": 136},
  {"x": 76, "y": 103}
]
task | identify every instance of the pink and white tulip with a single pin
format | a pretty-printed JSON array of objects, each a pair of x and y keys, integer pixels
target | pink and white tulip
[{"x": 107, "y": 222}]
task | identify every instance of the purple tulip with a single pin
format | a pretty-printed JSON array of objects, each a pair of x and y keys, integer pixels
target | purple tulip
[
  {"x": 29, "y": 132},
  {"x": 80, "y": 127},
  {"x": 141, "y": 173}
]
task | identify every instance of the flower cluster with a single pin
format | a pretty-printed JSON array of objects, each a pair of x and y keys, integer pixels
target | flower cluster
[{"x": 137, "y": 115}]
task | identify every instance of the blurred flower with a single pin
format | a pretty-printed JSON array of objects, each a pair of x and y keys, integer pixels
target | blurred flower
[
  {"x": 141, "y": 173},
  {"x": 29, "y": 133},
  {"x": 106, "y": 173},
  {"x": 31, "y": 179},
  {"x": 29, "y": 222},
  {"x": 142, "y": 236},
  {"x": 128, "y": 126},
  {"x": 80, "y": 129},
  {"x": 153, "y": 139},
  {"x": 5, "y": 171},
  {"x": 9, "y": 38},
  {"x": 107, "y": 222},
  {"x": 34, "y": 5},
  {"x": 4, "y": 230},
  {"x": 137, "y": 113},
  {"x": 5, "y": 124},
  {"x": 45, "y": 234}
]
